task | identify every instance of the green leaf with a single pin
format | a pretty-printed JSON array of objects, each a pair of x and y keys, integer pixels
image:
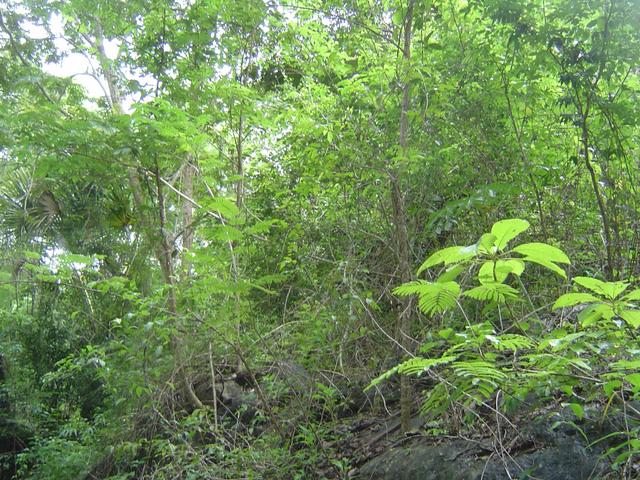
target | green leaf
[
  {"x": 633, "y": 295},
  {"x": 439, "y": 299},
  {"x": 633, "y": 379},
  {"x": 509, "y": 342},
  {"x": 448, "y": 256},
  {"x": 486, "y": 244},
  {"x": 543, "y": 252},
  {"x": 548, "y": 265},
  {"x": 562, "y": 342},
  {"x": 500, "y": 269},
  {"x": 451, "y": 274},
  {"x": 571, "y": 299},
  {"x": 611, "y": 290},
  {"x": 506, "y": 230},
  {"x": 419, "y": 365},
  {"x": 578, "y": 410},
  {"x": 75, "y": 258},
  {"x": 632, "y": 317},
  {"x": 433, "y": 297},
  {"x": 611, "y": 386},
  {"x": 223, "y": 206},
  {"x": 384, "y": 376},
  {"x": 223, "y": 233},
  {"x": 593, "y": 313},
  {"x": 494, "y": 292},
  {"x": 614, "y": 289},
  {"x": 29, "y": 255},
  {"x": 411, "y": 288},
  {"x": 626, "y": 365}
]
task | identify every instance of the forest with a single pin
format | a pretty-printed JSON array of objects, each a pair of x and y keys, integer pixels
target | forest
[{"x": 319, "y": 239}]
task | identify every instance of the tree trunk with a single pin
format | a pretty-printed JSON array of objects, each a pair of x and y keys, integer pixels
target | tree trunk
[
  {"x": 164, "y": 248},
  {"x": 400, "y": 222}
]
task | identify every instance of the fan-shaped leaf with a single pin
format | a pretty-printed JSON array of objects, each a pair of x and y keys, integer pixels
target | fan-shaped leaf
[
  {"x": 439, "y": 298},
  {"x": 411, "y": 288}
]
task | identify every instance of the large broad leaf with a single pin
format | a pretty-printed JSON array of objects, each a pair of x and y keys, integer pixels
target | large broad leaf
[
  {"x": 498, "y": 271},
  {"x": 451, "y": 274},
  {"x": 633, "y": 295},
  {"x": 448, "y": 256},
  {"x": 632, "y": 317},
  {"x": 593, "y": 313},
  {"x": 506, "y": 230},
  {"x": 571, "y": 299},
  {"x": 548, "y": 265},
  {"x": 611, "y": 290},
  {"x": 543, "y": 252},
  {"x": 486, "y": 244}
]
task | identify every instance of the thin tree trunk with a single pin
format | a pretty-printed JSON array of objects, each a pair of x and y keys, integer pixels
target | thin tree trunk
[
  {"x": 188, "y": 172},
  {"x": 163, "y": 249},
  {"x": 525, "y": 159},
  {"x": 606, "y": 227},
  {"x": 400, "y": 222}
]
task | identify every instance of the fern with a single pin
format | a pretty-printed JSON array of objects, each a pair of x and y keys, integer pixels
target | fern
[
  {"x": 471, "y": 380},
  {"x": 418, "y": 365},
  {"x": 411, "y": 288},
  {"x": 434, "y": 297},
  {"x": 480, "y": 371},
  {"x": 509, "y": 342},
  {"x": 414, "y": 366},
  {"x": 381, "y": 378},
  {"x": 494, "y": 292}
]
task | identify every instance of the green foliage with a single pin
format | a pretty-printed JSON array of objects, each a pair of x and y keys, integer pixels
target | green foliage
[
  {"x": 473, "y": 365},
  {"x": 605, "y": 305},
  {"x": 434, "y": 297},
  {"x": 496, "y": 264},
  {"x": 219, "y": 187}
]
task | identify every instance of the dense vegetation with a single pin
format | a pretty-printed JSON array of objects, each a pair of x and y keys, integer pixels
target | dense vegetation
[{"x": 301, "y": 200}]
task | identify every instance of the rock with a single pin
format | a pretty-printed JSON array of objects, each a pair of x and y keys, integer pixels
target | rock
[{"x": 551, "y": 448}]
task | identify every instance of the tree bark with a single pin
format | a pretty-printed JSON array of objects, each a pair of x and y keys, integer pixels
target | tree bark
[
  {"x": 400, "y": 221},
  {"x": 164, "y": 247}
]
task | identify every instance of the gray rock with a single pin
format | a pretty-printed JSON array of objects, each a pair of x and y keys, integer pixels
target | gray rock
[{"x": 556, "y": 451}]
